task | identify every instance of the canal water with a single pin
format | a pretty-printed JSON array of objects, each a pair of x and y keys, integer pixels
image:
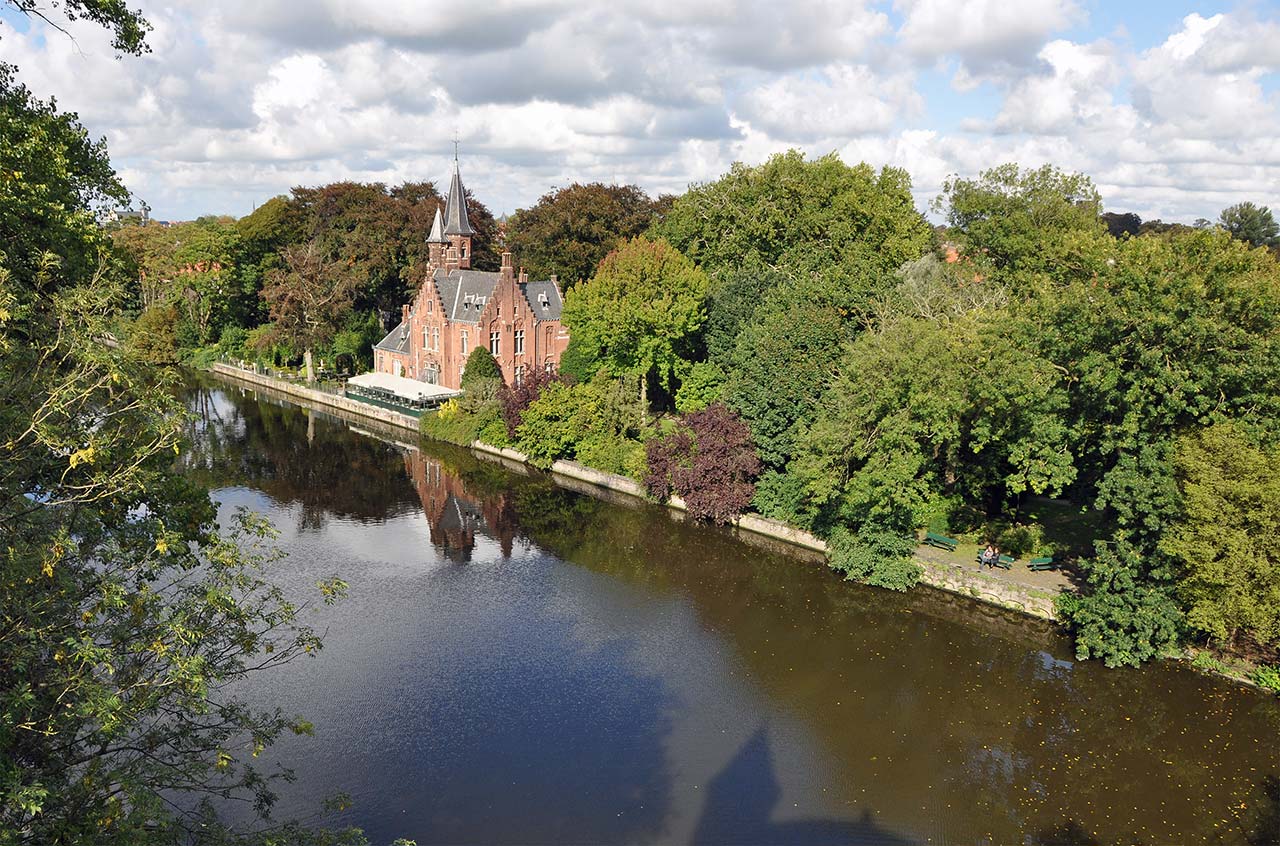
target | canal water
[{"x": 519, "y": 663}]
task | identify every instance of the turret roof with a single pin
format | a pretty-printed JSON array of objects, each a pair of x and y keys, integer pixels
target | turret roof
[
  {"x": 437, "y": 230},
  {"x": 456, "y": 220}
]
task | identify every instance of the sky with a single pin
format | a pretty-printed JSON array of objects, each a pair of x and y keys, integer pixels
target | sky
[{"x": 1172, "y": 108}]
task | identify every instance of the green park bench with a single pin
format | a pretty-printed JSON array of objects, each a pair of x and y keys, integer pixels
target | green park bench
[
  {"x": 1006, "y": 562},
  {"x": 941, "y": 541},
  {"x": 1045, "y": 563}
]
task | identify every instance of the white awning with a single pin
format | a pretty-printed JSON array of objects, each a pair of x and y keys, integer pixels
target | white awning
[{"x": 410, "y": 389}]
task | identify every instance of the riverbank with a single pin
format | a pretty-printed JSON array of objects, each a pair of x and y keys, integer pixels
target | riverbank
[{"x": 999, "y": 589}]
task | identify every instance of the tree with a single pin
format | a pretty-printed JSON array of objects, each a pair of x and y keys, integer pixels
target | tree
[
  {"x": 1252, "y": 224},
  {"x": 1121, "y": 224},
  {"x": 128, "y": 619},
  {"x": 1227, "y": 541},
  {"x": 641, "y": 313},
  {"x": 516, "y": 398},
  {"x": 848, "y": 227},
  {"x": 1027, "y": 227},
  {"x": 308, "y": 298},
  {"x": 127, "y": 26},
  {"x": 480, "y": 366},
  {"x": 569, "y": 231},
  {"x": 709, "y": 460}
]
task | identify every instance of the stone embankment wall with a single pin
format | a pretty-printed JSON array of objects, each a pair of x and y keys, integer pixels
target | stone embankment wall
[
  {"x": 320, "y": 398},
  {"x": 954, "y": 578}
]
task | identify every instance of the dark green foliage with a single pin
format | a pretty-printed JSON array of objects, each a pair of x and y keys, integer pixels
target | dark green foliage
[
  {"x": 709, "y": 460},
  {"x": 731, "y": 305},
  {"x": 781, "y": 364},
  {"x": 875, "y": 556},
  {"x": 481, "y": 365},
  {"x": 578, "y": 362},
  {"x": 1125, "y": 614},
  {"x": 570, "y": 230},
  {"x": 1255, "y": 225}
]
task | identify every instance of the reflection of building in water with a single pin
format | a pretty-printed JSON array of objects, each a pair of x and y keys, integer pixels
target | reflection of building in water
[{"x": 453, "y": 514}]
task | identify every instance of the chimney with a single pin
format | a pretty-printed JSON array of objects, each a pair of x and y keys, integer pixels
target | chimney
[
  {"x": 404, "y": 313},
  {"x": 506, "y": 258},
  {"x": 524, "y": 277}
]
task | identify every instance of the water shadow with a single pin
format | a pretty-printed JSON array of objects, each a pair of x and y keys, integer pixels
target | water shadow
[{"x": 741, "y": 800}]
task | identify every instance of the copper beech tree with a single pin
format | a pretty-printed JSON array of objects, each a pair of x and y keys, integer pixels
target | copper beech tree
[
  {"x": 709, "y": 460},
  {"x": 307, "y": 298}
]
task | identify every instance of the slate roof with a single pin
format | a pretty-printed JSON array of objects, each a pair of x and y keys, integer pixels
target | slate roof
[
  {"x": 397, "y": 340},
  {"x": 544, "y": 299},
  {"x": 437, "y": 231},
  {"x": 465, "y": 292},
  {"x": 456, "y": 221}
]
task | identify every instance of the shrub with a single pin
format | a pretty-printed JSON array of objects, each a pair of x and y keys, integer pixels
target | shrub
[
  {"x": 481, "y": 366},
  {"x": 155, "y": 335},
  {"x": 709, "y": 460},
  {"x": 875, "y": 556},
  {"x": 514, "y": 399},
  {"x": 1267, "y": 678},
  {"x": 700, "y": 388}
]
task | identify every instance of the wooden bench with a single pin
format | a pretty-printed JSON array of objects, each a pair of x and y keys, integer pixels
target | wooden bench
[
  {"x": 1045, "y": 563},
  {"x": 941, "y": 541}
]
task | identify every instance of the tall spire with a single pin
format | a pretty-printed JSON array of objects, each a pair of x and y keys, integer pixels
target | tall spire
[
  {"x": 456, "y": 220},
  {"x": 437, "y": 230}
]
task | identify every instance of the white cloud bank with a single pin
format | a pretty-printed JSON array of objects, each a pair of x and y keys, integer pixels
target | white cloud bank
[{"x": 241, "y": 100}]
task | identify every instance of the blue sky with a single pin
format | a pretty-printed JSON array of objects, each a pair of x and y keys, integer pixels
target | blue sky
[{"x": 1172, "y": 108}]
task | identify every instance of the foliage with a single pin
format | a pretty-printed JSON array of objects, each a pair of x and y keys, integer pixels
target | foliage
[
  {"x": 731, "y": 304},
  {"x": 153, "y": 337},
  {"x": 641, "y": 313},
  {"x": 875, "y": 557},
  {"x": 781, "y": 364},
  {"x": 599, "y": 423},
  {"x": 1026, "y": 227},
  {"x": 701, "y": 386},
  {"x": 514, "y": 399},
  {"x": 308, "y": 298},
  {"x": 1125, "y": 615},
  {"x": 845, "y": 227},
  {"x": 480, "y": 366},
  {"x": 579, "y": 363},
  {"x": 709, "y": 460},
  {"x": 128, "y": 28},
  {"x": 1255, "y": 225},
  {"x": 1227, "y": 540},
  {"x": 570, "y": 230},
  {"x": 1267, "y": 678},
  {"x": 128, "y": 618}
]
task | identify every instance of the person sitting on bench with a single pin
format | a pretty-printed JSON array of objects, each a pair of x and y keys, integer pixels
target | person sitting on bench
[{"x": 990, "y": 556}]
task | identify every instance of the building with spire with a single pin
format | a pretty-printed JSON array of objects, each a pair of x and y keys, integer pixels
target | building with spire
[{"x": 456, "y": 309}]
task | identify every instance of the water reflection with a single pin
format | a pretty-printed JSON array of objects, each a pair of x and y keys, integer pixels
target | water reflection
[{"x": 602, "y": 673}]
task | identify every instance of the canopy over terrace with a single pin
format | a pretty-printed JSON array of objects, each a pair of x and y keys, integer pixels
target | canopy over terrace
[{"x": 410, "y": 391}]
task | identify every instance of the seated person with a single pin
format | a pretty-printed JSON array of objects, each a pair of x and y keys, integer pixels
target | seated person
[{"x": 990, "y": 556}]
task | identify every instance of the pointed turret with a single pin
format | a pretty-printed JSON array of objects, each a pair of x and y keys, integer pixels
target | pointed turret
[
  {"x": 456, "y": 221},
  {"x": 437, "y": 230}
]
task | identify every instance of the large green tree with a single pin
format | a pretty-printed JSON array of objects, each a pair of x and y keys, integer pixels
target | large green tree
[
  {"x": 1250, "y": 223},
  {"x": 570, "y": 230},
  {"x": 1027, "y": 227},
  {"x": 641, "y": 313}
]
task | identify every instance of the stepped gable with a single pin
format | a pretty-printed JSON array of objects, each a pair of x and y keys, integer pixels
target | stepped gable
[{"x": 543, "y": 298}]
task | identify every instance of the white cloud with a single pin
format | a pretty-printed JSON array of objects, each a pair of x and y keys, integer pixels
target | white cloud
[{"x": 242, "y": 100}]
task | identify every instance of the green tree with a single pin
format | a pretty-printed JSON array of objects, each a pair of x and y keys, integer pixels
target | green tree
[
  {"x": 480, "y": 366},
  {"x": 1227, "y": 541},
  {"x": 849, "y": 227},
  {"x": 126, "y": 617},
  {"x": 308, "y": 299},
  {"x": 569, "y": 231},
  {"x": 641, "y": 313},
  {"x": 1027, "y": 226},
  {"x": 1252, "y": 224}
]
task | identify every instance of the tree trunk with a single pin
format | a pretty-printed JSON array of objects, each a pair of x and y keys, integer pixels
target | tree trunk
[
  {"x": 644, "y": 391},
  {"x": 306, "y": 360}
]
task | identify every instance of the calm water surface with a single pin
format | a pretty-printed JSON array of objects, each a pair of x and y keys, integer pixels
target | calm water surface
[{"x": 520, "y": 663}]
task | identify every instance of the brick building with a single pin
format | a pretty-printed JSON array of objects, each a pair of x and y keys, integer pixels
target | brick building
[{"x": 457, "y": 309}]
